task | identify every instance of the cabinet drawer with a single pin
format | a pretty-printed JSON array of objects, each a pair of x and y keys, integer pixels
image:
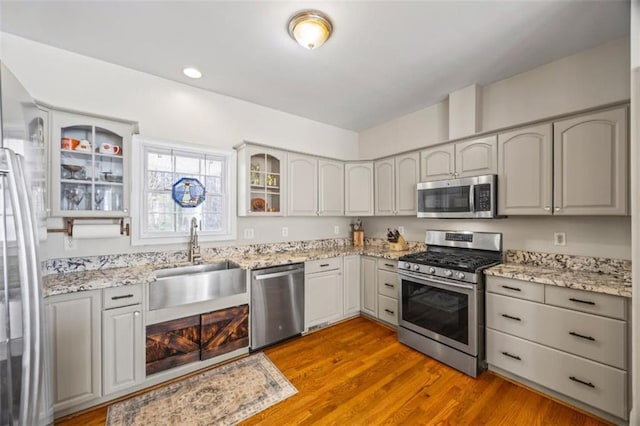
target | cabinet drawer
[
  {"x": 388, "y": 284},
  {"x": 116, "y": 297},
  {"x": 590, "y": 336},
  {"x": 322, "y": 265},
  {"x": 516, "y": 288},
  {"x": 388, "y": 309},
  {"x": 592, "y": 383},
  {"x": 594, "y": 303},
  {"x": 388, "y": 265}
]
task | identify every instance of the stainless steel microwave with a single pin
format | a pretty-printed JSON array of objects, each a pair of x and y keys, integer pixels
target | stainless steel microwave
[{"x": 472, "y": 197}]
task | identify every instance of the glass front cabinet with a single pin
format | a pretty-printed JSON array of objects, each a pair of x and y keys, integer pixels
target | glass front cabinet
[
  {"x": 261, "y": 179},
  {"x": 89, "y": 166}
]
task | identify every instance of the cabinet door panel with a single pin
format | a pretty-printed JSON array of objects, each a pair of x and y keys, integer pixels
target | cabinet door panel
[
  {"x": 323, "y": 298},
  {"x": 303, "y": 185},
  {"x": 351, "y": 285},
  {"x": 172, "y": 343},
  {"x": 525, "y": 170},
  {"x": 590, "y": 164},
  {"x": 437, "y": 163},
  {"x": 476, "y": 157},
  {"x": 330, "y": 188},
  {"x": 369, "y": 286},
  {"x": 123, "y": 348},
  {"x": 407, "y": 176},
  {"x": 385, "y": 194},
  {"x": 74, "y": 330},
  {"x": 359, "y": 189},
  {"x": 224, "y": 331}
]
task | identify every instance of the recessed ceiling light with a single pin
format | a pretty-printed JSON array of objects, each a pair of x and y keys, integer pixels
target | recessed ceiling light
[
  {"x": 192, "y": 72},
  {"x": 310, "y": 28}
]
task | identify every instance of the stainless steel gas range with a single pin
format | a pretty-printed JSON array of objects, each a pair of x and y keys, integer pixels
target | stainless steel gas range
[{"x": 442, "y": 297}]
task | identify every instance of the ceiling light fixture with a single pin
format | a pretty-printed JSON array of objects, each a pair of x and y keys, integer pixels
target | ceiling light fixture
[
  {"x": 310, "y": 28},
  {"x": 192, "y": 72}
]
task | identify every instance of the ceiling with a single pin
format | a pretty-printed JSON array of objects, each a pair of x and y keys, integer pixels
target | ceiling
[{"x": 384, "y": 59}]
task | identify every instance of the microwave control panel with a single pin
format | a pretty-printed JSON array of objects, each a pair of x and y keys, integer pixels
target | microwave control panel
[{"x": 482, "y": 197}]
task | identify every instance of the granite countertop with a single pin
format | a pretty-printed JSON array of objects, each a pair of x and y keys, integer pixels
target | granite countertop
[
  {"x": 72, "y": 282},
  {"x": 597, "y": 282}
]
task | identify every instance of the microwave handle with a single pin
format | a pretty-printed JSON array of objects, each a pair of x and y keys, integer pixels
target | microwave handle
[{"x": 472, "y": 207}]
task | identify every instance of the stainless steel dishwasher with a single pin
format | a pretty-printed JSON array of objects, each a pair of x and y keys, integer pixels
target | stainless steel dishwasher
[{"x": 277, "y": 304}]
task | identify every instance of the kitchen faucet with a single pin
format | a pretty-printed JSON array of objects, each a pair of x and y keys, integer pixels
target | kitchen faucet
[{"x": 194, "y": 248}]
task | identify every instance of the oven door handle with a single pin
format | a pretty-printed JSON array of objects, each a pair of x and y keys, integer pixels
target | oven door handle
[{"x": 426, "y": 280}]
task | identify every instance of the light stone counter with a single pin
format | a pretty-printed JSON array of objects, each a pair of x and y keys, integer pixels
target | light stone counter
[{"x": 599, "y": 275}]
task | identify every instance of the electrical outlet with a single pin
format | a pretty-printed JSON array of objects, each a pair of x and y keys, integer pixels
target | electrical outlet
[
  {"x": 336, "y": 230},
  {"x": 285, "y": 231},
  {"x": 248, "y": 233},
  {"x": 560, "y": 238},
  {"x": 70, "y": 244},
  {"x": 401, "y": 230}
]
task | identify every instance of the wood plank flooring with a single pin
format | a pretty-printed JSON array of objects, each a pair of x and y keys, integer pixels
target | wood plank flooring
[{"x": 356, "y": 373}]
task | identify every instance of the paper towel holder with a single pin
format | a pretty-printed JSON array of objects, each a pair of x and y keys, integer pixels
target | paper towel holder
[{"x": 68, "y": 225}]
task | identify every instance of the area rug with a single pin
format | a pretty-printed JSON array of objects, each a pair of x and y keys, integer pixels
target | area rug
[{"x": 223, "y": 396}]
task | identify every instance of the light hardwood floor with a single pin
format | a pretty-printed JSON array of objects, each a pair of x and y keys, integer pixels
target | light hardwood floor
[{"x": 356, "y": 373}]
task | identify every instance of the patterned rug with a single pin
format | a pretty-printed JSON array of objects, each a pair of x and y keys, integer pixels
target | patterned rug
[{"x": 223, "y": 396}]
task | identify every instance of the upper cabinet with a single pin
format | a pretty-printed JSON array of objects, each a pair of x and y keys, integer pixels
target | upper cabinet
[
  {"x": 395, "y": 185},
  {"x": 525, "y": 170},
  {"x": 590, "y": 164},
  {"x": 461, "y": 159},
  {"x": 576, "y": 166},
  {"x": 330, "y": 188},
  {"x": 261, "y": 177},
  {"x": 302, "y": 195},
  {"x": 89, "y": 170},
  {"x": 358, "y": 188}
]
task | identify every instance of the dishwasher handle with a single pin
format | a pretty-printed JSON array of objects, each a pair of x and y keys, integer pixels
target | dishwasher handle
[{"x": 278, "y": 274}]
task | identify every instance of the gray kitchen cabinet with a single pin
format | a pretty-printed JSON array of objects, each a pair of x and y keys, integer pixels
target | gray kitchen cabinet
[
  {"x": 358, "y": 183},
  {"x": 395, "y": 185},
  {"x": 369, "y": 286},
  {"x": 473, "y": 157},
  {"x": 89, "y": 166},
  {"x": 75, "y": 339},
  {"x": 123, "y": 348},
  {"x": 302, "y": 190},
  {"x": 262, "y": 178},
  {"x": 323, "y": 292},
  {"x": 525, "y": 171},
  {"x": 330, "y": 188},
  {"x": 388, "y": 292},
  {"x": 351, "y": 285},
  {"x": 591, "y": 164}
]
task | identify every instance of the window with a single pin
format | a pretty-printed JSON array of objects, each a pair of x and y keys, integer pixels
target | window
[{"x": 157, "y": 217}]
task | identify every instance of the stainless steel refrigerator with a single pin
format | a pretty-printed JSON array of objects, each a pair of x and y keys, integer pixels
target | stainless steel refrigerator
[{"x": 24, "y": 382}]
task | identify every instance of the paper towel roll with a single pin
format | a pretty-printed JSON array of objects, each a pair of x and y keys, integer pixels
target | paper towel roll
[{"x": 83, "y": 232}]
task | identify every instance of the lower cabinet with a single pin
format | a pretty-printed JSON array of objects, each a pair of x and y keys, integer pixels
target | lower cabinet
[
  {"x": 572, "y": 342},
  {"x": 351, "y": 285},
  {"x": 122, "y": 348},
  {"x": 224, "y": 331},
  {"x": 323, "y": 292},
  {"x": 379, "y": 289},
  {"x": 74, "y": 338},
  {"x": 369, "y": 286}
]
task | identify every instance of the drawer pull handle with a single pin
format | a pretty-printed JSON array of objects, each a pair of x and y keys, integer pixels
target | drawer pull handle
[
  {"x": 511, "y": 318},
  {"x": 511, "y": 356},
  {"x": 511, "y": 288},
  {"x": 582, "y": 336},
  {"x": 324, "y": 264},
  {"x": 389, "y": 265},
  {"x": 389, "y": 311},
  {"x": 586, "y": 302},
  {"x": 124, "y": 296},
  {"x": 575, "y": 379},
  {"x": 389, "y": 285}
]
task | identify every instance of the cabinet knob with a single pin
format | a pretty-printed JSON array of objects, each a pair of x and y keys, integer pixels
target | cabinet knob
[
  {"x": 547, "y": 208},
  {"x": 136, "y": 313},
  {"x": 125, "y": 210},
  {"x": 557, "y": 209}
]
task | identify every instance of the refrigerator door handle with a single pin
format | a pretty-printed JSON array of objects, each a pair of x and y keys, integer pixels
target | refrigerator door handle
[{"x": 27, "y": 243}]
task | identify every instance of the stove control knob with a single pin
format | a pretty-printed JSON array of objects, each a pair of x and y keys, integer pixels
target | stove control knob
[
  {"x": 460, "y": 275},
  {"x": 448, "y": 273},
  {"x": 416, "y": 267},
  {"x": 407, "y": 265},
  {"x": 432, "y": 270}
]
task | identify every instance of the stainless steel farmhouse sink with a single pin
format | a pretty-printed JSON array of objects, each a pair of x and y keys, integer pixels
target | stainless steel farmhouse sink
[{"x": 195, "y": 283}]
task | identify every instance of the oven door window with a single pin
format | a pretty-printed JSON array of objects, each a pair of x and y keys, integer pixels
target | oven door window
[
  {"x": 444, "y": 200},
  {"x": 441, "y": 311}
]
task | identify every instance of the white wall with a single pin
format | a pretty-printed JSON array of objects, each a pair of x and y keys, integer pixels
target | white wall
[
  {"x": 172, "y": 111},
  {"x": 587, "y": 79},
  {"x": 588, "y": 236}
]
